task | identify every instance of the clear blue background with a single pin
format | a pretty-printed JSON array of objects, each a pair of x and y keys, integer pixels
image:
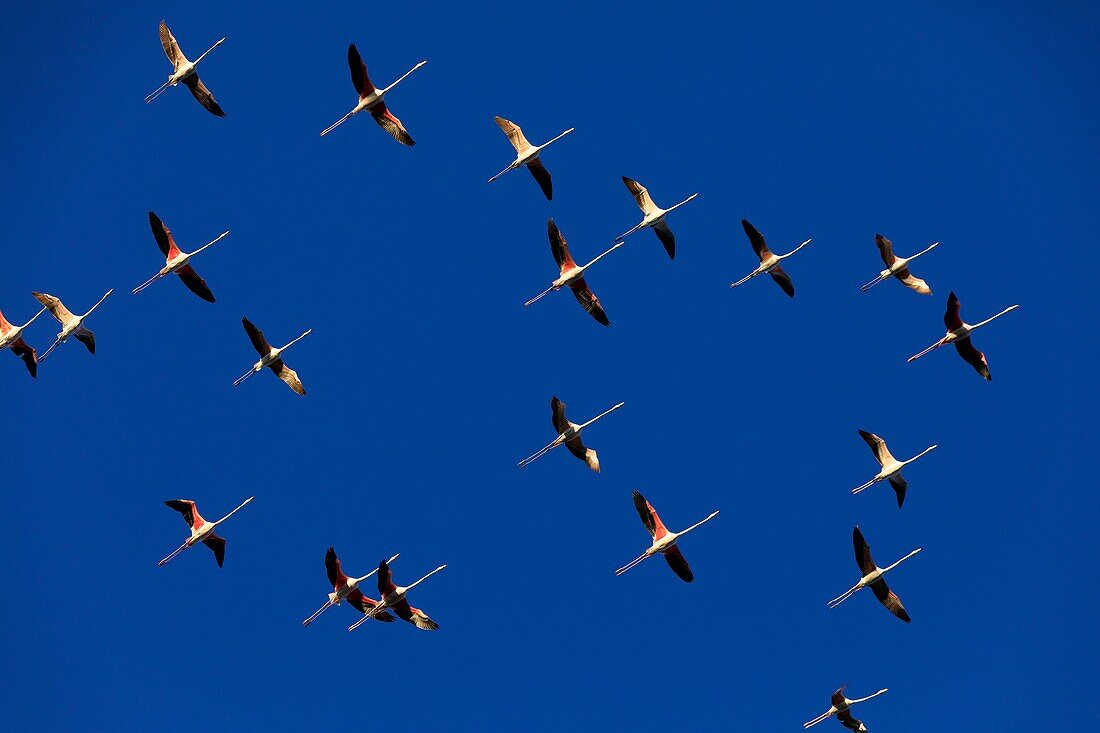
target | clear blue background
[{"x": 428, "y": 380}]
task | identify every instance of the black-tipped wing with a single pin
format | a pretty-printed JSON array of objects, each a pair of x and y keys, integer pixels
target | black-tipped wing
[
  {"x": 195, "y": 283},
  {"x": 863, "y": 552},
  {"x": 577, "y": 447},
  {"x": 514, "y": 133},
  {"x": 388, "y": 122},
  {"x": 171, "y": 48},
  {"x": 162, "y": 234},
  {"x": 676, "y": 561},
  {"x": 203, "y": 95},
  {"x": 185, "y": 507},
  {"x": 952, "y": 317},
  {"x": 336, "y": 576},
  {"x": 362, "y": 604},
  {"x": 878, "y": 447},
  {"x": 86, "y": 337},
  {"x": 973, "y": 357},
  {"x": 256, "y": 336},
  {"x": 838, "y": 696},
  {"x": 756, "y": 239},
  {"x": 559, "y": 247},
  {"x": 414, "y": 616},
  {"x": 889, "y": 599},
  {"x": 288, "y": 375},
  {"x": 217, "y": 546},
  {"x": 782, "y": 279},
  {"x": 899, "y": 485},
  {"x": 640, "y": 194},
  {"x": 557, "y": 415},
  {"x": 668, "y": 239},
  {"x": 385, "y": 579},
  {"x": 28, "y": 355},
  {"x": 542, "y": 176},
  {"x": 846, "y": 719},
  {"x": 359, "y": 78},
  {"x": 643, "y": 511},
  {"x": 885, "y": 249},
  {"x": 589, "y": 301}
]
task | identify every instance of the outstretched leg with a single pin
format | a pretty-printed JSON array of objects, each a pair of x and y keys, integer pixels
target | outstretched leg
[
  {"x": 631, "y": 564},
  {"x": 175, "y": 552}
]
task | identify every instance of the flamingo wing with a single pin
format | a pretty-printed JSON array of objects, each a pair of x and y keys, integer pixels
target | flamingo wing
[
  {"x": 641, "y": 195},
  {"x": 557, "y": 415},
  {"x": 414, "y": 616},
  {"x": 359, "y": 78},
  {"x": 164, "y": 238},
  {"x": 385, "y": 579},
  {"x": 668, "y": 239},
  {"x": 649, "y": 516},
  {"x": 838, "y": 698},
  {"x": 899, "y": 485},
  {"x": 885, "y": 249},
  {"x": 889, "y": 599},
  {"x": 217, "y": 546},
  {"x": 679, "y": 565},
  {"x": 171, "y": 48},
  {"x": 542, "y": 177},
  {"x": 782, "y": 279},
  {"x": 288, "y": 375},
  {"x": 388, "y": 122},
  {"x": 336, "y": 576},
  {"x": 952, "y": 318},
  {"x": 878, "y": 447},
  {"x": 912, "y": 282},
  {"x": 186, "y": 507},
  {"x": 256, "y": 336},
  {"x": 203, "y": 95},
  {"x": 577, "y": 447},
  {"x": 515, "y": 135},
  {"x": 85, "y": 336},
  {"x": 589, "y": 301},
  {"x": 756, "y": 239},
  {"x": 559, "y": 247},
  {"x": 27, "y": 354},
  {"x": 863, "y": 552},
  {"x": 362, "y": 604},
  {"x": 846, "y": 719},
  {"x": 973, "y": 357},
  {"x": 54, "y": 305},
  {"x": 195, "y": 283}
]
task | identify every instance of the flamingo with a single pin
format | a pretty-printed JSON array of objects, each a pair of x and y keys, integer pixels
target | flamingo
[
  {"x": 572, "y": 275},
  {"x": 11, "y": 337},
  {"x": 841, "y": 709},
  {"x": 769, "y": 261},
  {"x": 898, "y": 267},
  {"x": 958, "y": 333},
  {"x": 569, "y": 434},
  {"x": 653, "y": 215},
  {"x": 891, "y": 467},
  {"x": 664, "y": 542},
  {"x": 873, "y": 576},
  {"x": 271, "y": 358},
  {"x": 528, "y": 155},
  {"x": 345, "y": 588},
  {"x": 185, "y": 71},
  {"x": 71, "y": 325},
  {"x": 373, "y": 101},
  {"x": 201, "y": 530},
  {"x": 393, "y": 597},
  {"x": 177, "y": 261}
]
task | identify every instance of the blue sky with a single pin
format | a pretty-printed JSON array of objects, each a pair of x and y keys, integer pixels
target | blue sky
[{"x": 428, "y": 380}]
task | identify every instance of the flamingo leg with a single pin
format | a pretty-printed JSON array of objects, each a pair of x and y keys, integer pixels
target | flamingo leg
[
  {"x": 867, "y": 485},
  {"x": 147, "y": 283},
  {"x": 160, "y": 90},
  {"x": 322, "y": 609},
  {"x": 930, "y": 349},
  {"x": 498, "y": 175},
  {"x": 540, "y": 296},
  {"x": 52, "y": 347},
  {"x": 818, "y": 719},
  {"x": 873, "y": 283},
  {"x": 746, "y": 278},
  {"x": 239, "y": 380},
  {"x": 631, "y": 564},
  {"x": 540, "y": 453},
  {"x": 843, "y": 597},
  {"x": 175, "y": 552},
  {"x": 336, "y": 124}
]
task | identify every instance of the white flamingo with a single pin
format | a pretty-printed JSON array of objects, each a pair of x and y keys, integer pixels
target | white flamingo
[
  {"x": 898, "y": 267},
  {"x": 394, "y": 598},
  {"x": 664, "y": 542},
  {"x": 201, "y": 530},
  {"x": 528, "y": 155},
  {"x": 573, "y": 275},
  {"x": 874, "y": 576},
  {"x": 373, "y": 100},
  {"x": 271, "y": 357},
  {"x": 891, "y": 467},
  {"x": 569, "y": 435},
  {"x": 841, "y": 708},
  {"x": 177, "y": 261},
  {"x": 769, "y": 261},
  {"x": 653, "y": 215},
  {"x": 71, "y": 325},
  {"x": 185, "y": 71},
  {"x": 11, "y": 337},
  {"x": 958, "y": 333}
]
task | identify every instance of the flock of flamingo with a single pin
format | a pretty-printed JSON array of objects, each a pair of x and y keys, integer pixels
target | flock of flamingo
[{"x": 392, "y": 597}]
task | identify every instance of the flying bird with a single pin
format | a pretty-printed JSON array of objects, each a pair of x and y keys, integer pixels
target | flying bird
[
  {"x": 569, "y": 434},
  {"x": 528, "y": 155},
  {"x": 572, "y": 275},
  {"x": 664, "y": 542},
  {"x": 874, "y": 576},
  {"x": 177, "y": 261},
  {"x": 271, "y": 358},
  {"x": 201, "y": 530},
  {"x": 898, "y": 267},
  {"x": 184, "y": 71},
  {"x": 841, "y": 709},
  {"x": 373, "y": 101},
  {"x": 71, "y": 325},
  {"x": 769, "y": 261},
  {"x": 958, "y": 333},
  {"x": 347, "y": 589},
  {"x": 393, "y": 598},
  {"x": 891, "y": 467},
  {"x": 653, "y": 215},
  {"x": 11, "y": 337}
]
